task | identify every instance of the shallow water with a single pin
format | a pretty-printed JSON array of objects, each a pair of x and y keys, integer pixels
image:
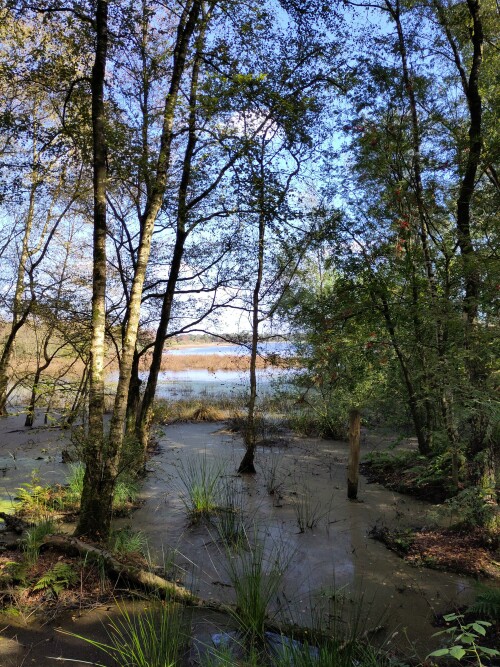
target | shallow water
[
  {"x": 199, "y": 382},
  {"x": 336, "y": 556}
]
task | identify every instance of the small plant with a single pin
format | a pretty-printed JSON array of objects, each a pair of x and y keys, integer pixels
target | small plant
[
  {"x": 229, "y": 517},
  {"x": 271, "y": 472},
  {"x": 465, "y": 638},
  {"x": 152, "y": 638},
  {"x": 201, "y": 479},
  {"x": 57, "y": 579},
  {"x": 34, "y": 538},
  {"x": 307, "y": 511},
  {"x": 256, "y": 575},
  {"x": 487, "y": 604},
  {"x": 127, "y": 541},
  {"x": 124, "y": 494},
  {"x": 34, "y": 499},
  {"x": 73, "y": 491}
]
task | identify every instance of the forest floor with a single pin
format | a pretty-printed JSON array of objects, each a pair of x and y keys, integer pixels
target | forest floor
[{"x": 333, "y": 559}]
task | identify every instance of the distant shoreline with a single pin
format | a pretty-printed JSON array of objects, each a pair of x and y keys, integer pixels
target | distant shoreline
[{"x": 180, "y": 346}]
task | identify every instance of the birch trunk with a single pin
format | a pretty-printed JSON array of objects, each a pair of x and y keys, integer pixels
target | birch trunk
[
  {"x": 98, "y": 484},
  {"x": 185, "y": 31}
]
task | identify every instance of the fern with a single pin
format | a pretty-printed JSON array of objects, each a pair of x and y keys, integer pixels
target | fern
[
  {"x": 487, "y": 604},
  {"x": 56, "y": 579},
  {"x": 15, "y": 572}
]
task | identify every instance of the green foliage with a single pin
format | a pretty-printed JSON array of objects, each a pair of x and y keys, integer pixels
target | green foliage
[
  {"x": 471, "y": 508},
  {"x": 410, "y": 472},
  {"x": 152, "y": 637},
  {"x": 125, "y": 493},
  {"x": 16, "y": 572},
  {"x": 34, "y": 499},
  {"x": 57, "y": 579},
  {"x": 334, "y": 652},
  {"x": 201, "y": 481},
  {"x": 486, "y": 604},
  {"x": 464, "y": 638},
  {"x": 73, "y": 492},
  {"x": 127, "y": 541},
  {"x": 34, "y": 538}
]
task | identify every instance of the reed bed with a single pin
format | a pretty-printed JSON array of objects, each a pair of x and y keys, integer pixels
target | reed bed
[{"x": 210, "y": 362}]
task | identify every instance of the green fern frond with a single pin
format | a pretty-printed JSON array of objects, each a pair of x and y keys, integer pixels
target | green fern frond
[
  {"x": 58, "y": 578},
  {"x": 487, "y": 604}
]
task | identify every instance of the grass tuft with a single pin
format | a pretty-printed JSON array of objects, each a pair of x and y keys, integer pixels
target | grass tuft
[
  {"x": 256, "y": 575},
  {"x": 154, "y": 637},
  {"x": 201, "y": 478}
]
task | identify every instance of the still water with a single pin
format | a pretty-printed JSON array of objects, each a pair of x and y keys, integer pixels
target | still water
[{"x": 272, "y": 347}]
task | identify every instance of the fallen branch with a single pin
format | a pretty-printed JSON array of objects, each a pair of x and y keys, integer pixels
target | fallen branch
[
  {"x": 133, "y": 574},
  {"x": 168, "y": 589}
]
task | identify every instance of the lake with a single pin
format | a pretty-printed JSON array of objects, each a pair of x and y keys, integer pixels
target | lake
[
  {"x": 198, "y": 382},
  {"x": 270, "y": 347}
]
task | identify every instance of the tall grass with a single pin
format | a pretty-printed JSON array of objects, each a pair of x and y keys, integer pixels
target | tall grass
[
  {"x": 200, "y": 478},
  {"x": 33, "y": 540},
  {"x": 271, "y": 471},
  {"x": 308, "y": 512},
  {"x": 229, "y": 518},
  {"x": 256, "y": 574},
  {"x": 154, "y": 637}
]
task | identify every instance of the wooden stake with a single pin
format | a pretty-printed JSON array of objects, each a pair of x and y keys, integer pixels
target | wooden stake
[{"x": 354, "y": 447}]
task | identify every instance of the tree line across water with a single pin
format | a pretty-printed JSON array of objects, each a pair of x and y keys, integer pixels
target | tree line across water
[{"x": 327, "y": 167}]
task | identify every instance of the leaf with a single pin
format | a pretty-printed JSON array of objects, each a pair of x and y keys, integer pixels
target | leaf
[
  {"x": 479, "y": 629},
  {"x": 451, "y": 617},
  {"x": 440, "y": 652},
  {"x": 457, "y": 652},
  {"x": 467, "y": 638},
  {"x": 489, "y": 651}
]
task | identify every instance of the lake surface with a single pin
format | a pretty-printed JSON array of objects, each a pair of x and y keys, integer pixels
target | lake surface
[
  {"x": 271, "y": 347},
  {"x": 200, "y": 382}
]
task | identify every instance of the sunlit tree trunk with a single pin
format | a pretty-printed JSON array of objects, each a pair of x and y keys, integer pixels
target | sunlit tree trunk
[
  {"x": 96, "y": 502},
  {"x": 185, "y": 31},
  {"x": 145, "y": 415},
  {"x": 250, "y": 436},
  {"x": 19, "y": 314}
]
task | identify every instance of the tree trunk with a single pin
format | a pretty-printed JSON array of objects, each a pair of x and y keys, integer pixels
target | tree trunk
[
  {"x": 134, "y": 396},
  {"x": 185, "y": 30},
  {"x": 247, "y": 464},
  {"x": 354, "y": 453},
  {"x": 95, "y": 509},
  {"x": 145, "y": 416},
  {"x": 30, "y": 417}
]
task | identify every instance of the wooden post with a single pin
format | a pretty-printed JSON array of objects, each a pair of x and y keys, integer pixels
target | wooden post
[{"x": 353, "y": 465}]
